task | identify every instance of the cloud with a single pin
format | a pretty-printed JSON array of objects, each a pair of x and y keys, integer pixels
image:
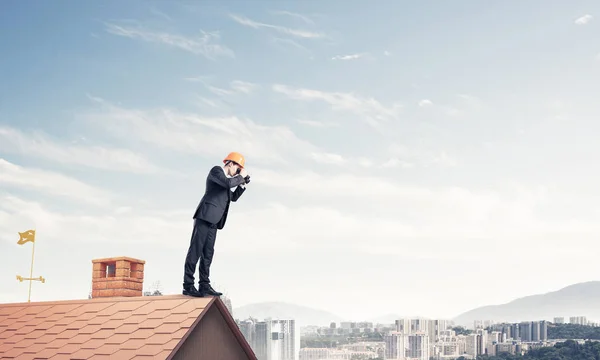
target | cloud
[
  {"x": 243, "y": 86},
  {"x": 425, "y": 102},
  {"x": 296, "y": 15},
  {"x": 137, "y": 225},
  {"x": 209, "y": 102},
  {"x": 193, "y": 134},
  {"x": 317, "y": 124},
  {"x": 278, "y": 41},
  {"x": 51, "y": 183},
  {"x": 409, "y": 156},
  {"x": 395, "y": 162},
  {"x": 446, "y": 218},
  {"x": 39, "y": 145},
  {"x": 293, "y": 32},
  {"x": 203, "y": 45},
  {"x": 236, "y": 86},
  {"x": 328, "y": 158},
  {"x": 374, "y": 112},
  {"x": 161, "y": 14},
  {"x": 456, "y": 218},
  {"x": 349, "y": 57},
  {"x": 585, "y": 19}
]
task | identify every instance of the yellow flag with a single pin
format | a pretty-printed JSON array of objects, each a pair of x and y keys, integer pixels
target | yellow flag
[{"x": 26, "y": 236}]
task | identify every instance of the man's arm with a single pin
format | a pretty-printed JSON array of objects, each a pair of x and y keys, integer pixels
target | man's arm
[
  {"x": 238, "y": 192},
  {"x": 217, "y": 176}
]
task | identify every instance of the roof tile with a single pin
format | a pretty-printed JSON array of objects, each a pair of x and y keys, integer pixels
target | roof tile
[
  {"x": 157, "y": 339},
  {"x": 127, "y": 328},
  {"x": 133, "y": 344},
  {"x": 107, "y": 349},
  {"x": 102, "y": 357},
  {"x": 57, "y": 343},
  {"x": 125, "y": 354},
  {"x": 153, "y": 350},
  {"x": 61, "y": 357},
  {"x": 167, "y": 328},
  {"x": 135, "y": 319},
  {"x": 82, "y": 354},
  {"x": 162, "y": 355},
  {"x": 102, "y": 334},
  {"x": 159, "y": 314},
  {"x": 105, "y": 328},
  {"x": 142, "y": 333}
]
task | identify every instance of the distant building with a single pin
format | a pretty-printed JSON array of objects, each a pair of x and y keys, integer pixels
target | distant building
[
  {"x": 272, "y": 339},
  {"x": 402, "y": 346},
  {"x": 559, "y": 320},
  {"x": 543, "y": 331},
  {"x": 227, "y": 303}
]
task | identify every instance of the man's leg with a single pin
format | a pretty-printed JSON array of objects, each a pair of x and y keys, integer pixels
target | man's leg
[
  {"x": 191, "y": 260},
  {"x": 208, "y": 251}
]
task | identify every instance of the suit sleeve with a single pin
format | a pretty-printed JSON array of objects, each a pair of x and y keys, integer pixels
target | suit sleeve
[
  {"x": 237, "y": 193},
  {"x": 217, "y": 176}
]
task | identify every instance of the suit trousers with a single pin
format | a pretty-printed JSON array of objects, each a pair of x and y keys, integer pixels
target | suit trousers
[{"x": 202, "y": 247}]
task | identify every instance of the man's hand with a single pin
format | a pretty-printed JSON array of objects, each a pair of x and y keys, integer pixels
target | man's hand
[{"x": 243, "y": 173}]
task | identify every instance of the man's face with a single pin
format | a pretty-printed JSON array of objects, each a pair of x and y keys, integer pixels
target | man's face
[{"x": 233, "y": 169}]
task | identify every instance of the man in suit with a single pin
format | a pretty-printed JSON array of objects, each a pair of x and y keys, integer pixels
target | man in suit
[{"x": 224, "y": 184}]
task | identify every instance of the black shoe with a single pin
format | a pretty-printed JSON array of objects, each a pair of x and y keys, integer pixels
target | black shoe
[
  {"x": 208, "y": 290},
  {"x": 191, "y": 291}
]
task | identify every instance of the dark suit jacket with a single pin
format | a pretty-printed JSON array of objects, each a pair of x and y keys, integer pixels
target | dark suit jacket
[{"x": 214, "y": 205}]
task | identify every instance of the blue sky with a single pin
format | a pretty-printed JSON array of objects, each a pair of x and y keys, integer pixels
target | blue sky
[{"x": 409, "y": 150}]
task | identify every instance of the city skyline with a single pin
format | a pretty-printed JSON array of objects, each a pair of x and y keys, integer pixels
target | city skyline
[{"x": 401, "y": 161}]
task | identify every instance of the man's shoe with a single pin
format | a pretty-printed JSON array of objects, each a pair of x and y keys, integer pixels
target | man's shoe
[
  {"x": 208, "y": 290},
  {"x": 192, "y": 292}
]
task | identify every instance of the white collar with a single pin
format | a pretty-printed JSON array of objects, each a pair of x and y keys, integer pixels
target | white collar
[{"x": 223, "y": 167}]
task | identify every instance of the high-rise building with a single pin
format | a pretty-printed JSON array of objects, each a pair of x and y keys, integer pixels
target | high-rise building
[
  {"x": 262, "y": 343},
  {"x": 418, "y": 347},
  {"x": 402, "y": 346},
  {"x": 435, "y": 329},
  {"x": 272, "y": 339},
  {"x": 543, "y": 330},
  {"x": 559, "y": 320},
  {"x": 579, "y": 320},
  {"x": 535, "y": 331},
  {"x": 248, "y": 330},
  {"x": 395, "y": 345},
  {"x": 227, "y": 302},
  {"x": 482, "y": 340},
  {"x": 471, "y": 345},
  {"x": 283, "y": 340},
  {"x": 525, "y": 330},
  {"x": 515, "y": 332}
]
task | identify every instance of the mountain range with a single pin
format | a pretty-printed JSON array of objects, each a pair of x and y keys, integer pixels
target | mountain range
[
  {"x": 303, "y": 315},
  {"x": 575, "y": 300}
]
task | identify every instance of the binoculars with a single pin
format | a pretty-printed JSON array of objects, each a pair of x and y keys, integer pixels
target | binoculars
[{"x": 247, "y": 178}]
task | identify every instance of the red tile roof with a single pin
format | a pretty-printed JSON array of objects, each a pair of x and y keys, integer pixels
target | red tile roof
[{"x": 148, "y": 327}]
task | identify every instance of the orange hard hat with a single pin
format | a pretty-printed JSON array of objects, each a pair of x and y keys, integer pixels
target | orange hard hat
[{"x": 236, "y": 157}]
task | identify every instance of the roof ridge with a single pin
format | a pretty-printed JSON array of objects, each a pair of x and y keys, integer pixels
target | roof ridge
[{"x": 102, "y": 300}]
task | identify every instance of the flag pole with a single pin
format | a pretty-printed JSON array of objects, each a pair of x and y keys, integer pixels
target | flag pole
[
  {"x": 25, "y": 237},
  {"x": 31, "y": 271}
]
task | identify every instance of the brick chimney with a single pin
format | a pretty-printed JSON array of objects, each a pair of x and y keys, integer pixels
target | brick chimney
[{"x": 118, "y": 276}]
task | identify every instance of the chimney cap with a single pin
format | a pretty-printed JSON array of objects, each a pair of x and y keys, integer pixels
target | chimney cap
[{"x": 118, "y": 258}]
